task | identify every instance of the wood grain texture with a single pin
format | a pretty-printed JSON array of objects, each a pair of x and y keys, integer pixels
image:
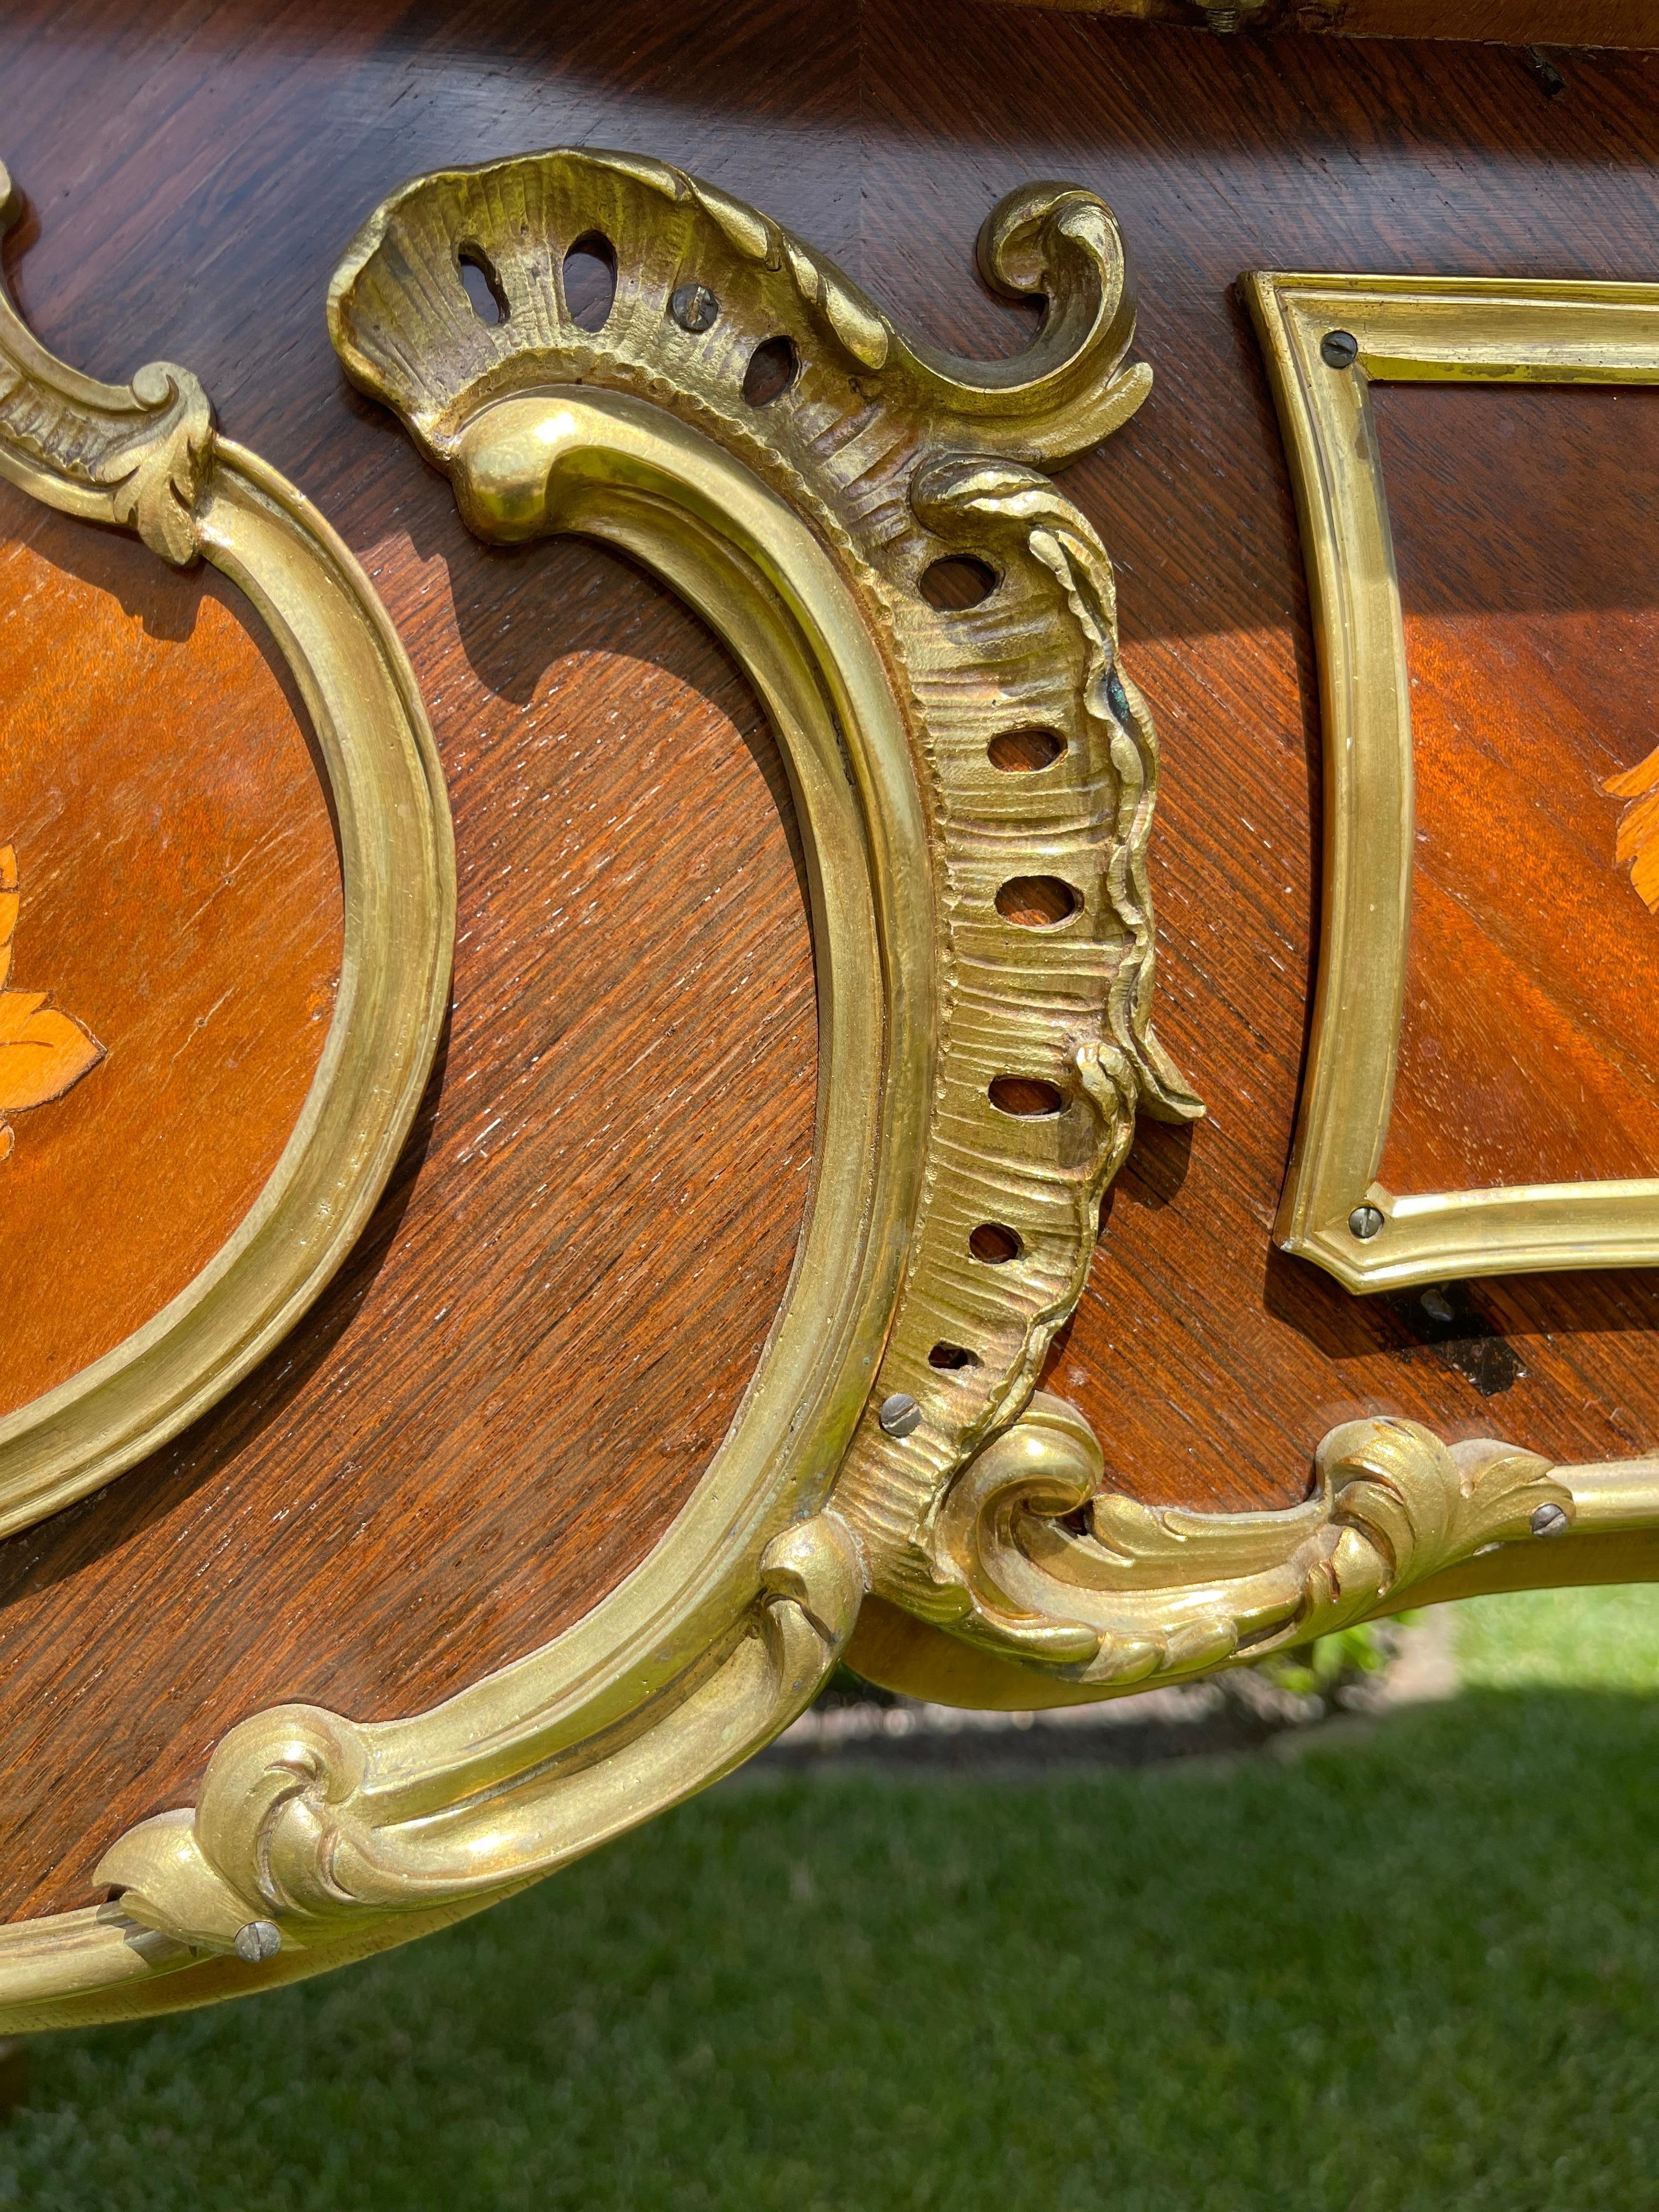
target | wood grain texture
[
  {"x": 181, "y": 895},
  {"x": 1529, "y": 578},
  {"x": 531, "y": 1356},
  {"x": 1553, "y": 23}
]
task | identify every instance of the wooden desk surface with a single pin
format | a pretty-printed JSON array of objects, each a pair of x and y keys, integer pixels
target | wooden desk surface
[{"x": 514, "y": 1383}]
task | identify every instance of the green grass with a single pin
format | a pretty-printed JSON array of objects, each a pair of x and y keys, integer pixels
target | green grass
[
  {"x": 1561, "y": 1639},
  {"x": 1422, "y": 1971}
]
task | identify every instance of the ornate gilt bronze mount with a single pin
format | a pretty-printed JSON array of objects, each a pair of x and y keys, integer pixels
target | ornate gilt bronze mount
[
  {"x": 983, "y": 918},
  {"x": 974, "y": 775}
]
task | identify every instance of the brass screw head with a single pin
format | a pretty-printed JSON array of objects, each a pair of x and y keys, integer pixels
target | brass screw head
[
  {"x": 900, "y": 1415},
  {"x": 258, "y": 1940},
  {"x": 694, "y": 308}
]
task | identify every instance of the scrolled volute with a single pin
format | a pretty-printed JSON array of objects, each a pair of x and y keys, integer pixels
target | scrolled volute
[
  {"x": 1033, "y": 1559},
  {"x": 301, "y": 1821},
  {"x": 137, "y": 454}
]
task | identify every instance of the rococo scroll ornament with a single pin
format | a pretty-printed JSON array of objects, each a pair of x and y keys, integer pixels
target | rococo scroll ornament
[{"x": 974, "y": 776}]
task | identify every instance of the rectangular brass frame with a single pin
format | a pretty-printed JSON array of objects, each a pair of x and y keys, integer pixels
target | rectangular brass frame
[{"x": 1417, "y": 330}]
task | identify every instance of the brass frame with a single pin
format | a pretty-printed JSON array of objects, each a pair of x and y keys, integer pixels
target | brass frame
[
  {"x": 147, "y": 456},
  {"x": 1420, "y": 330}
]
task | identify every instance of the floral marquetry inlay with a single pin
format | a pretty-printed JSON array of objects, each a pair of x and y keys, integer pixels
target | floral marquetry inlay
[{"x": 44, "y": 1051}]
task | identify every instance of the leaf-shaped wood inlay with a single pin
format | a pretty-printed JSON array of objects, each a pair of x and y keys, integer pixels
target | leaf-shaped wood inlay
[
  {"x": 43, "y": 1052},
  {"x": 1638, "y": 827}
]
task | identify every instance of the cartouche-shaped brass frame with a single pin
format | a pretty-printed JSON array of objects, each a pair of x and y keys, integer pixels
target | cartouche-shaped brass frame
[{"x": 147, "y": 456}]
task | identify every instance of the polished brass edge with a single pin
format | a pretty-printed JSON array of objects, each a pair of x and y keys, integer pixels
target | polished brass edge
[
  {"x": 1333, "y": 1210},
  {"x": 1359, "y": 988}
]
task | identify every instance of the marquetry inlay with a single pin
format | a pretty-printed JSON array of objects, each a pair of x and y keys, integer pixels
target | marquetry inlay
[{"x": 44, "y": 1051}]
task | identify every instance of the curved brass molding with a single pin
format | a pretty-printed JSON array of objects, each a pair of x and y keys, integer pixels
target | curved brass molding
[
  {"x": 1452, "y": 329},
  {"x": 983, "y": 939},
  {"x": 147, "y": 457},
  {"x": 895, "y": 456},
  {"x": 1081, "y": 1594}
]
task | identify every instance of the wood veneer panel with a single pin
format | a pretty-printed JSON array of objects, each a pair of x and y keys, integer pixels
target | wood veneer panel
[
  {"x": 528, "y": 1361},
  {"x": 180, "y": 895},
  {"x": 1529, "y": 579}
]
